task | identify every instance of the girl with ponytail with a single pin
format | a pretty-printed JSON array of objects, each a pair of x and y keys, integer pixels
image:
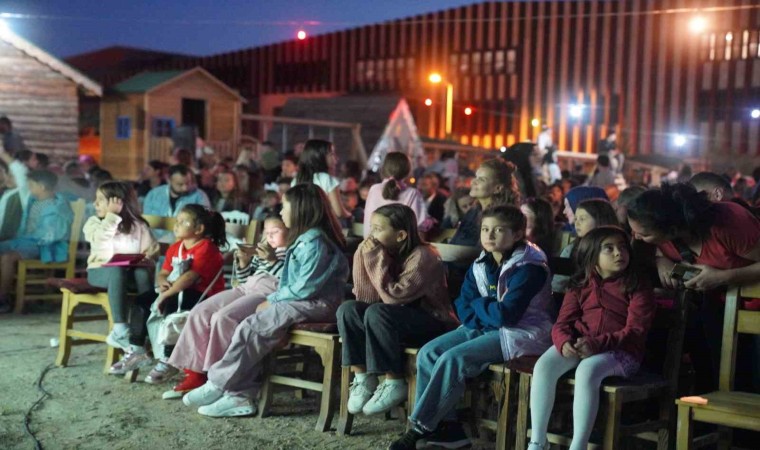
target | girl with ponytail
[{"x": 396, "y": 169}]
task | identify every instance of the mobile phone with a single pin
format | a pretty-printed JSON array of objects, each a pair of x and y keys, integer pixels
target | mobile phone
[
  {"x": 684, "y": 272},
  {"x": 247, "y": 247}
]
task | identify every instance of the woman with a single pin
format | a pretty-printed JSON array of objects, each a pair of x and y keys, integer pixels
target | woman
[{"x": 315, "y": 166}]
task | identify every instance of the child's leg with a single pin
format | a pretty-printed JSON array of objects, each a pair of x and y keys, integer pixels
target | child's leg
[
  {"x": 113, "y": 279},
  {"x": 139, "y": 317},
  {"x": 446, "y": 382},
  {"x": 549, "y": 367},
  {"x": 259, "y": 335},
  {"x": 143, "y": 279},
  {"x": 190, "y": 351},
  {"x": 588, "y": 378},
  {"x": 389, "y": 327},
  {"x": 351, "y": 328},
  {"x": 225, "y": 321}
]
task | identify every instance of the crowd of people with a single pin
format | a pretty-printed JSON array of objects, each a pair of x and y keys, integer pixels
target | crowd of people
[{"x": 462, "y": 317}]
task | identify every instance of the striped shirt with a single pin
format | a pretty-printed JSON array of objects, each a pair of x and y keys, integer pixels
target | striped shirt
[{"x": 258, "y": 265}]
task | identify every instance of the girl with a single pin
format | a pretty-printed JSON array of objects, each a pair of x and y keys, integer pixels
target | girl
[
  {"x": 588, "y": 215},
  {"x": 494, "y": 185},
  {"x": 310, "y": 290},
  {"x": 211, "y": 325},
  {"x": 191, "y": 268},
  {"x": 117, "y": 227},
  {"x": 228, "y": 196},
  {"x": 396, "y": 168},
  {"x": 506, "y": 309},
  {"x": 400, "y": 286},
  {"x": 315, "y": 165},
  {"x": 456, "y": 207},
  {"x": 601, "y": 330},
  {"x": 540, "y": 228}
]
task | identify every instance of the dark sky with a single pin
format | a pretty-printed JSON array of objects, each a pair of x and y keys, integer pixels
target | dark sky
[{"x": 68, "y": 27}]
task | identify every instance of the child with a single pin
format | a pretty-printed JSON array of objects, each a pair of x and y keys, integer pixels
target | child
[
  {"x": 456, "y": 207},
  {"x": 192, "y": 267},
  {"x": 270, "y": 204},
  {"x": 601, "y": 330},
  {"x": 117, "y": 227},
  {"x": 588, "y": 215},
  {"x": 506, "y": 309},
  {"x": 316, "y": 165},
  {"x": 400, "y": 286},
  {"x": 210, "y": 326},
  {"x": 540, "y": 228},
  {"x": 396, "y": 168},
  {"x": 44, "y": 232},
  {"x": 310, "y": 290},
  {"x": 227, "y": 195}
]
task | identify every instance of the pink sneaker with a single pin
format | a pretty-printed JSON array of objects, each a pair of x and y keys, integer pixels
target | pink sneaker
[
  {"x": 130, "y": 361},
  {"x": 161, "y": 373}
]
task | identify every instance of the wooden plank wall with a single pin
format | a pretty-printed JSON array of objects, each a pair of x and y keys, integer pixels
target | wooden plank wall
[
  {"x": 635, "y": 66},
  {"x": 41, "y": 103}
]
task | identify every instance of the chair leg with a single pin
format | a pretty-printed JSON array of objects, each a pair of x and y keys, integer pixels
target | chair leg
[
  {"x": 684, "y": 430},
  {"x": 411, "y": 381},
  {"x": 523, "y": 405},
  {"x": 612, "y": 429},
  {"x": 20, "y": 287},
  {"x": 64, "y": 341},
  {"x": 267, "y": 389},
  {"x": 504, "y": 426},
  {"x": 330, "y": 355},
  {"x": 667, "y": 413},
  {"x": 345, "y": 419}
]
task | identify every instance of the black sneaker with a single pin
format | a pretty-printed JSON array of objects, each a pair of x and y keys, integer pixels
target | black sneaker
[
  {"x": 447, "y": 435},
  {"x": 408, "y": 441}
]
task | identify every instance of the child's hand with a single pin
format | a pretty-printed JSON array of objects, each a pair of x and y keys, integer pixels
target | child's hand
[
  {"x": 265, "y": 252},
  {"x": 262, "y": 306},
  {"x": 115, "y": 205},
  {"x": 163, "y": 285},
  {"x": 583, "y": 348},
  {"x": 568, "y": 350}
]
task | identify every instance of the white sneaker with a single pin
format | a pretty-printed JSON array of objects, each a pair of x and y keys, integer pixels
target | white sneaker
[
  {"x": 360, "y": 393},
  {"x": 204, "y": 395},
  {"x": 386, "y": 396},
  {"x": 229, "y": 406},
  {"x": 118, "y": 340}
]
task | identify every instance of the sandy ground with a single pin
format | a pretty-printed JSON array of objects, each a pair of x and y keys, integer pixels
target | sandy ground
[{"x": 90, "y": 410}]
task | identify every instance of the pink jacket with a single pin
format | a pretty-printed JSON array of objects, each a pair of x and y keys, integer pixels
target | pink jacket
[{"x": 410, "y": 197}]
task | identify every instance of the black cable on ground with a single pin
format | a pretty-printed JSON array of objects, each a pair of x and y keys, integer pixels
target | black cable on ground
[{"x": 28, "y": 415}]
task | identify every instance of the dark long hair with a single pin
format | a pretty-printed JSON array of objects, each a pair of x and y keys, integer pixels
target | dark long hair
[
  {"x": 601, "y": 210},
  {"x": 403, "y": 218},
  {"x": 397, "y": 167},
  {"x": 543, "y": 228},
  {"x": 310, "y": 208},
  {"x": 313, "y": 160},
  {"x": 504, "y": 172},
  {"x": 130, "y": 212},
  {"x": 213, "y": 223},
  {"x": 587, "y": 258},
  {"x": 674, "y": 209}
]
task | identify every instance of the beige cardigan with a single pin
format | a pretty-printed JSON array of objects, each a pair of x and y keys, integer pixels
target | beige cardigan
[{"x": 105, "y": 240}]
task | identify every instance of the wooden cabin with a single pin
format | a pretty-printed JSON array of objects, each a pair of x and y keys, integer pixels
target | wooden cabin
[
  {"x": 141, "y": 116},
  {"x": 40, "y": 95}
]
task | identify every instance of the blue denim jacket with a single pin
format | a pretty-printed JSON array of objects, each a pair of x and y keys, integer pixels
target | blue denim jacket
[
  {"x": 53, "y": 230},
  {"x": 157, "y": 201},
  {"x": 315, "y": 268}
]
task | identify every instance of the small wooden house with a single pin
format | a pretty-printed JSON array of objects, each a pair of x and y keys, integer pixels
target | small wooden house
[
  {"x": 40, "y": 95},
  {"x": 141, "y": 115}
]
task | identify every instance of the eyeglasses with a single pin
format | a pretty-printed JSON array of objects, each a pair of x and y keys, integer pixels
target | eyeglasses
[{"x": 185, "y": 223}]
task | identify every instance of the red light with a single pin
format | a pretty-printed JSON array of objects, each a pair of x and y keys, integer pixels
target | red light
[
  {"x": 301, "y": 35},
  {"x": 428, "y": 102},
  {"x": 468, "y": 111}
]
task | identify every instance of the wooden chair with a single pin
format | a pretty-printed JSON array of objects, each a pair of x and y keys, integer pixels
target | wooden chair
[
  {"x": 254, "y": 231},
  {"x": 236, "y": 217},
  {"x": 77, "y": 291},
  {"x": 323, "y": 338},
  {"x": 725, "y": 407},
  {"x": 33, "y": 272},
  {"x": 617, "y": 392}
]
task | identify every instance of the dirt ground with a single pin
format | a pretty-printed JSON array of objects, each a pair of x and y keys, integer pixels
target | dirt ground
[{"x": 90, "y": 410}]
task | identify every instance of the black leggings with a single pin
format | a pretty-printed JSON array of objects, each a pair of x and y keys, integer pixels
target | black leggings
[{"x": 141, "y": 312}]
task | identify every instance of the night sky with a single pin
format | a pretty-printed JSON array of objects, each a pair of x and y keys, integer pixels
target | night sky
[{"x": 77, "y": 26}]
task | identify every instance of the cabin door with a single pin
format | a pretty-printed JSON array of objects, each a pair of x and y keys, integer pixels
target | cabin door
[{"x": 194, "y": 114}]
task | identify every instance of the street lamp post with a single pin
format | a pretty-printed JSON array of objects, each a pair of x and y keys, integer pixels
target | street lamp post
[{"x": 437, "y": 78}]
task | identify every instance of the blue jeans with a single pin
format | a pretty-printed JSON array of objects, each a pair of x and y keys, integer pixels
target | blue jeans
[{"x": 443, "y": 366}]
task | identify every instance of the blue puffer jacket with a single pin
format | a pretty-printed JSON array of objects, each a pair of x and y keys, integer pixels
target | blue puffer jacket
[
  {"x": 157, "y": 201},
  {"x": 52, "y": 231}
]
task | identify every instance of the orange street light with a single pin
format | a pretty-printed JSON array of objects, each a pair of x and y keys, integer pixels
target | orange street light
[{"x": 437, "y": 78}]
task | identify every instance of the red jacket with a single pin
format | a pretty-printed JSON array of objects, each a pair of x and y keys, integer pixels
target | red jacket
[{"x": 611, "y": 319}]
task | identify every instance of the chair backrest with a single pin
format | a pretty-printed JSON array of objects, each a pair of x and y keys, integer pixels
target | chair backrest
[
  {"x": 253, "y": 233},
  {"x": 736, "y": 320},
  {"x": 463, "y": 254},
  {"x": 237, "y": 217},
  {"x": 78, "y": 207},
  {"x": 158, "y": 222}
]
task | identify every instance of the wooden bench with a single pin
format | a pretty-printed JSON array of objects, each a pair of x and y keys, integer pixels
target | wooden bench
[
  {"x": 77, "y": 291},
  {"x": 725, "y": 407},
  {"x": 323, "y": 338}
]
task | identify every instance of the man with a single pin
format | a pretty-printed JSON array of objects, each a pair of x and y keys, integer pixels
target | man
[
  {"x": 19, "y": 166},
  {"x": 12, "y": 141},
  {"x": 434, "y": 198},
  {"x": 603, "y": 175},
  {"x": 718, "y": 189},
  {"x": 167, "y": 200}
]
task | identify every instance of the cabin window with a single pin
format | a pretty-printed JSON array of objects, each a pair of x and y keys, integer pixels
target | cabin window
[
  {"x": 163, "y": 126},
  {"x": 123, "y": 127}
]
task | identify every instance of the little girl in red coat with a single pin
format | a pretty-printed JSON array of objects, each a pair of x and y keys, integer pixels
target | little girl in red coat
[{"x": 601, "y": 331}]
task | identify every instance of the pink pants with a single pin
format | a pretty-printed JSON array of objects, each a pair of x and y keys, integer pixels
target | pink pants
[{"x": 212, "y": 323}]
